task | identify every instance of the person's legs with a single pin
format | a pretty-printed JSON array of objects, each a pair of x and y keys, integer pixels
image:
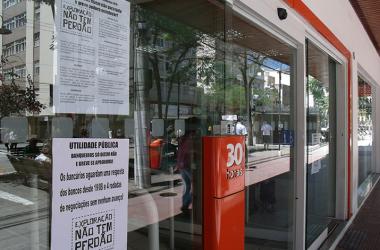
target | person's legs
[
  {"x": 263, "y": 195},
  {"x": 187, "y": 196},
  {"x": 271, "y": 195},
  {"x": 265, "y": 142},
  {"x": 267, "y": 194}
]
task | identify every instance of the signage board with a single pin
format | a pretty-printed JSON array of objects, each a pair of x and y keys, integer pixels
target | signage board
[
  {"x": 89, "y": 193},
  {"x": 224, "y": 166},
  {"x": 91, "y": 57}
]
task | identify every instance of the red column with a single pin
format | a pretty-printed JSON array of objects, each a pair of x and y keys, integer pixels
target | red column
[{"x": 223, "y": 192}]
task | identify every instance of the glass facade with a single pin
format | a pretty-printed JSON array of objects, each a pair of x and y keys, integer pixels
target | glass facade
[{"x": 215, "y": 75}]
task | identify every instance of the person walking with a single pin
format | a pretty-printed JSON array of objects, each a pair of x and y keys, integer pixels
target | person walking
[
  {"x": 241, "y": 129},
  {"x": 266, "y": 130},
  {"x": 13, "y": 140},
  {"x": 184, "y": 161}
]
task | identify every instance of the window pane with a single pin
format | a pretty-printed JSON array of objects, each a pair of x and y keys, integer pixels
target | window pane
[
  {"x": 321, "y": 143},
  {"x": 214, "y": 75},
  {"x": 365, "y": 138}
]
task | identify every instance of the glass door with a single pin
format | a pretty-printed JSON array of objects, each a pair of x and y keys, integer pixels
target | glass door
[
  {"x": 365, "y": 139},
  {"x": 321, "y": 143},
  {"x": 179, "y": 75}
]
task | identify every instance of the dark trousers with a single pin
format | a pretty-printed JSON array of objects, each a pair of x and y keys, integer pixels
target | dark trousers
[
  {"x": 267, "y": 192},
  {"x": 187, "y": 195}
]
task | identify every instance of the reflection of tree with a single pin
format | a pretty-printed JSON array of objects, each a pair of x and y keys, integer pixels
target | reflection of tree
[
  {"x": 365, "y": 99},
  {"x": 266, "y": 97},
  {"x": 32, "y": 104},
  {"x": 320, "y": 97},
  {"x": 365, "y": 106},
  {"x": 14, "y": 100},
  {"x": 365, "y": 112},
  {"x": 248, "y": 82},
  {"x": 242, "y": 91},
  {"x": 230, "y": 96},
  {"x": 172, "y": 45}
]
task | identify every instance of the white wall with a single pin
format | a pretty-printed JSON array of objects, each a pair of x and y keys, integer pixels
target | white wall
[
  {"x": 342, "y": 20},
  {"x": 292, "y": 27}
]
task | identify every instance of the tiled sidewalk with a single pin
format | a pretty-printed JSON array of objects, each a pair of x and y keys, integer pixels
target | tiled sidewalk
[{"x": 364, "y": 232}]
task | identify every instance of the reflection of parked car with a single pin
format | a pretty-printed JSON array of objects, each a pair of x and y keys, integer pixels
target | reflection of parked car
[{"x": 29, "y": 168}]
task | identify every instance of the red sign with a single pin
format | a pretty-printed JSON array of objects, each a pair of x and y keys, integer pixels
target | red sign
[
  {"x": 224, "y": 164},
  {"x": 223, "y": 192}
]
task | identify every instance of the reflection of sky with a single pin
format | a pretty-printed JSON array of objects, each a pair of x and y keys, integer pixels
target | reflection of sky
[{"x": 276, "y": 65}]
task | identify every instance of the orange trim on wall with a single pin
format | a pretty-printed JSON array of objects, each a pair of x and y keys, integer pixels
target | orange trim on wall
[
  {"x": 290, "y": 2},
  {"x": 306, "y": 13}
]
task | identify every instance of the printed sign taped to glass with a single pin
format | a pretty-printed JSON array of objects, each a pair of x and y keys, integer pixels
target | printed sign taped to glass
[{"x": 91, "y": 57}]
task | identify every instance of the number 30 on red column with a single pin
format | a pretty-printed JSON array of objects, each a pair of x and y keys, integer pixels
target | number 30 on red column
[{"x": 235, "y": 154}]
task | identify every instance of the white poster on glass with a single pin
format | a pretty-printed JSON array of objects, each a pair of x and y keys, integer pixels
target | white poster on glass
[
  {"x": 92, "y": 57},
  {"x": 89, "y": 193}
]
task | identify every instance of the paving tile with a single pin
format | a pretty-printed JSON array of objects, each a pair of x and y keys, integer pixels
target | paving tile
[{"x": 364, "y": 232}]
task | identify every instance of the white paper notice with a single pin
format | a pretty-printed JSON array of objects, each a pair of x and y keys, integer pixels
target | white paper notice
[
  {"x": 92, "y": 57},
  {"x": 89, "y": 194}
]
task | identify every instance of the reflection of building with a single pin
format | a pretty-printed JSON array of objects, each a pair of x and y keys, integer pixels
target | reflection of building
[
  {"x": 188, "y": 98},
  {"x": 174, "y": 75},
  {"x": 280, "y": 81},
  {"x": 27, "y": 51},
  {"x": 274, "y": 106}
]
